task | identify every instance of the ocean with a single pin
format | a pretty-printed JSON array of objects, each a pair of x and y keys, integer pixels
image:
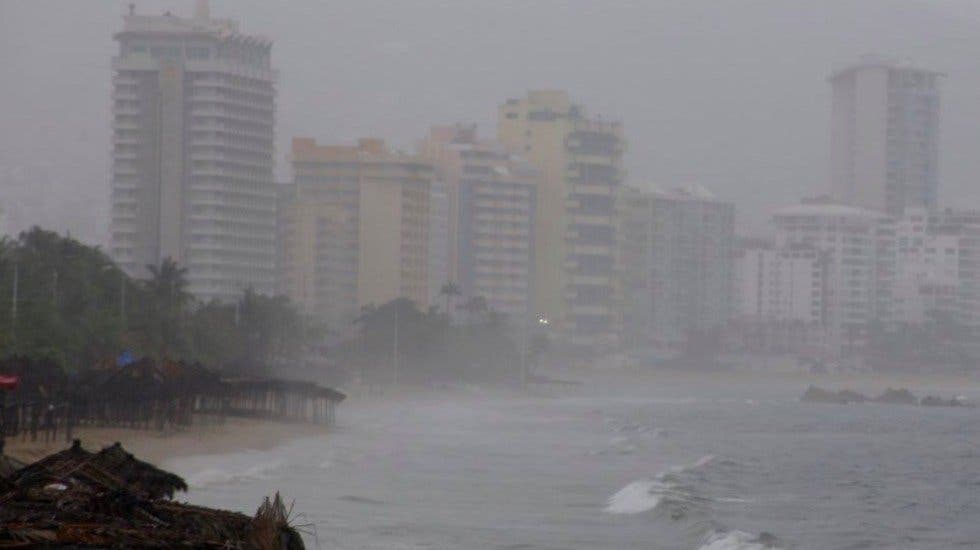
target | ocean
[{"x": 645, "y": 465}]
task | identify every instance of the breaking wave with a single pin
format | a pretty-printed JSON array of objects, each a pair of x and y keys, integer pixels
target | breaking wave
[
  {"x": 646, "y": 494},
  {"x": 671, "y": 495}
]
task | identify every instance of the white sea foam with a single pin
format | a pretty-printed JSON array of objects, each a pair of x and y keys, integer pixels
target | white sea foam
[
  {"x": 644, "y": 495},
  {"x": 733, "y": 540},
  {"x": 637, "y": 497}
]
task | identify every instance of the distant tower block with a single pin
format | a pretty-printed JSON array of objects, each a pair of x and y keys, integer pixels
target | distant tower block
[{"x": 885, "y": 136}]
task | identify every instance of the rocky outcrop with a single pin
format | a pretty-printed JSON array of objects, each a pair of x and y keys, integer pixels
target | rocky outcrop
[
  {"x": 891, "y": 396},
  {"x": 814, "y": 394},
  {"x": 933, "y": 401},
  {"x": 900, "y": 396}
]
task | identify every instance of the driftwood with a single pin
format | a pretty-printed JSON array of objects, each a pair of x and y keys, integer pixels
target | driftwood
[{"x": 110, "y": 499}]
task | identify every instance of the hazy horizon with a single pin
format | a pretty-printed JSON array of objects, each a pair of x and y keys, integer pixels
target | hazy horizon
[{"x": 730, "y": 96}]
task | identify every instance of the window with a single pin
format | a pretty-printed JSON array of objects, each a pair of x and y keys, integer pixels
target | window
[{"x": 198, "y": 52}]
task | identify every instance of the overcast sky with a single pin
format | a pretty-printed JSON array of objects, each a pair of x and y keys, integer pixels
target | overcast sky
[{"x": 730, "y": 94}]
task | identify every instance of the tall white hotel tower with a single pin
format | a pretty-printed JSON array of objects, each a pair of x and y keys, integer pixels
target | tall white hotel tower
[
  {"x": 885, "y": 136},
  {"x": 192, "y": 171}
]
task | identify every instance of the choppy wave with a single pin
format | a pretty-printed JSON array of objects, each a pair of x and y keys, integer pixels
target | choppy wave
[
  {"x": 738, "y": 540},
  {"x": 672, "y": 495}
]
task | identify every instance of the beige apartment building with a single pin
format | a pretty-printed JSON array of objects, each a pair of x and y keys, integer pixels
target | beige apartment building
[
  {"x": 580, "y": 160},
  {"x": 356, "y": 228},
  {"x": 490, "y": 219}
]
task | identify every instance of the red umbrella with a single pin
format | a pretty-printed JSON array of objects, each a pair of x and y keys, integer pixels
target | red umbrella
[{"x": 9, "y": 381}]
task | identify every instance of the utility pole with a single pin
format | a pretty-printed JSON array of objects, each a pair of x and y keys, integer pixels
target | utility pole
[
  {"x": 524, "y": 351},
  {"x": 13, "y": 304}
]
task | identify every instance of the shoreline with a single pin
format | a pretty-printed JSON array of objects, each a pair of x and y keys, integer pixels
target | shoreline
[{"x": 236, "y": 434}]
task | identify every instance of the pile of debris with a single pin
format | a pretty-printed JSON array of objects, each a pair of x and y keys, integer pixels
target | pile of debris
[{"x": 78, "y": 499}]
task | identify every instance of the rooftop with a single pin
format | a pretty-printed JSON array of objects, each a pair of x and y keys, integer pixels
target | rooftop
[
  {"x": 827, "y": 210},
  {"x": 201, "y": 23},
  {"x": 875, "y": 61}
]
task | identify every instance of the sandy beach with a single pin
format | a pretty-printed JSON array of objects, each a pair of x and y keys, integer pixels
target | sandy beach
[{"x": 236, "y": 434}]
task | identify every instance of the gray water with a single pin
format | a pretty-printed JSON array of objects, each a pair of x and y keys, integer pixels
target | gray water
[{"x": 639, "y": 466}]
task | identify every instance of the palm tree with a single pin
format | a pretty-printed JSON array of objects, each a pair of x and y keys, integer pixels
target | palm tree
[
  {"x": 168, "y": 283},
  {"x": 450, "y": 290},
  {"x": 167, "y": 290},
  {"x": 476, "y": 306}
]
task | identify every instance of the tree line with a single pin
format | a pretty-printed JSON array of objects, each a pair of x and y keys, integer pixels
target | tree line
[
  {"x": 69, "y": 302},
  {"x": 66, "y": 301}
]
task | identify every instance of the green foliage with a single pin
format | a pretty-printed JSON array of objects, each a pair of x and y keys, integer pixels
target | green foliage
[
  {"x": 398, "y": 340},
  {"x": 74, "y": 305}
]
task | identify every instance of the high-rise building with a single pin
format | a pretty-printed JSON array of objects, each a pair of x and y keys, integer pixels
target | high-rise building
[
  {"x": 492, "y": 195},
  {"x": 691, "y": 270},
  {"x": 359, "y": 229},
  {"x": 192, "y": 164},
  {"x": 885, "y": 136},
  {"x": 580, "y": 160}
]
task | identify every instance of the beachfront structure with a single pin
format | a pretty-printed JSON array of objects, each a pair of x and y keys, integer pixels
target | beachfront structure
[
  {"x": 359, "y": 228},
  {"x": 847, "y": 241},
  {"x": 192, "y": 152},
  {"x": 885, "y": 136},
  {"x": 492, "y": 207},
  {"x": 691, "y": 275},
  {"x": 580, "y": 161}
]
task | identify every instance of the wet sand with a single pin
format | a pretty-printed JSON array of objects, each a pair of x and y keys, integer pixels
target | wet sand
[{"x": 236, "y": 434}]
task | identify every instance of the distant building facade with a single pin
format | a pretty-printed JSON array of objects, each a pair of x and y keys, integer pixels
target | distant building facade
[
  {"x": 885, "y": 136},
  {"x": 779, "y": 285},
  {"x": 438, "y": 270},
  {"x": 360, "y": 228},
  {"x": 846, "y": 240},
  {"x": 779, "y": 298},
  {"x": 492, "y": 207},
  {"x": 693, "y": 254},
  {"x": 580, "y": 160},
  {"x": 636, "y": 251},
  {"x": 192, "y": 163}
]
